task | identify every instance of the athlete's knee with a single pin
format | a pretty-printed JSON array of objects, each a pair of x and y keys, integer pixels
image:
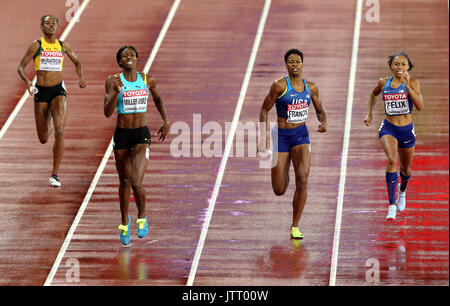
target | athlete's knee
[
  {"x": 279, "y": 190},
  {"x": 43, "y": 139},
  {"x": 137, "y": 187},
  {"x": 406, "y": 170},
  {"x": 59, "y": 131},
  {"x": 301, "y": 181},
  {"x": 392, "y": 161},
  {"x": 125, "y": 181}
]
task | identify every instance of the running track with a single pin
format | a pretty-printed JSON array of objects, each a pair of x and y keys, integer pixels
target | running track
[{"x": 200, "y": 68}]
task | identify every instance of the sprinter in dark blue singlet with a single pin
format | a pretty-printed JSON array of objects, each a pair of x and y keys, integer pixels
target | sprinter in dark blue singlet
[
  {"x": 128, "y": 94},
  {"x": 292, "y": 96},
  {"x": 396, "y": 134}
]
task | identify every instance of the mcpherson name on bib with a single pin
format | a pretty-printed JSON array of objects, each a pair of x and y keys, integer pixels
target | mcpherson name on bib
[
  {"x": 135, "y": 101},
  {"x": 396, "y": 103},
  {"x": 51, "y": 61}
]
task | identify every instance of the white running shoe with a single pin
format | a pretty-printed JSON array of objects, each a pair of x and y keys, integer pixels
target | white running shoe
[
  {"x": 392, "y": 212},
  {"x": 401, "y": 200},
  {"x": 54, "y": 181}
]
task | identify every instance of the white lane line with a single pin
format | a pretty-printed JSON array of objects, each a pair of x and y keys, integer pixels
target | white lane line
[
  {"x": 25, "y": 96},
  {"x": 348, "y": 120},
  {"x": 106, "y": 156},
  {"x": 228, "y": 145}
]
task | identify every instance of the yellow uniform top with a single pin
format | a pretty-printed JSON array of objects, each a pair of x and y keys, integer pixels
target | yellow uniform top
[{"x": 49, "y": 57}]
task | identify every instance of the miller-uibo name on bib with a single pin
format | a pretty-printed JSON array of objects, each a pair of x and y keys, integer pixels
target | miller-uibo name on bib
[
  {"x": 396, "y": 103},
  {"x": 297, "y": 113},
  {"x": 51, "y": 61},
  {"x": 135, "y": 101}
]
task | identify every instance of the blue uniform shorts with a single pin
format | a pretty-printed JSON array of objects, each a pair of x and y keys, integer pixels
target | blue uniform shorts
[
  {"x": 404, "y": 134},
  {"x": 289, "y": 138}
]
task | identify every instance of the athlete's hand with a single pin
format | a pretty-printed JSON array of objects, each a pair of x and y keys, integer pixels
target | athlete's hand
[
  {"x": 163, "y": 131},
  {"x": 117, "y": 83},
  {"x": 82, "y": 83},
  {"x": 262, "y": 147},
  {"x": 368, "y": 119},
  {"x": 322, "y": 128},
  {"x": 31, "y": 89},
  {"x": 405, "y": 78}
]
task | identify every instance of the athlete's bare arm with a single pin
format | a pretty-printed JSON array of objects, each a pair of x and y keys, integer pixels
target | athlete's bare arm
[
  {"x": 413, "y": 88},
  {"x": 76, "y": 62},
  {"x": 113, "y": 85},
  {"x": 34, "y": 47},
  {"x": 320, "y": 112},
  {"x": 372, "y": 99},
  {"x": 159, "y": 103},
  {"x": 275, "y": 91}
]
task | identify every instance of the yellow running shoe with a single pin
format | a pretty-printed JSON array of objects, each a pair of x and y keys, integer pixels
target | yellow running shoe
[{"x": 295, "y": 233}]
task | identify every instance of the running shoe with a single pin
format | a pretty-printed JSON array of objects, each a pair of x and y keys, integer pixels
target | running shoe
[
  {"x": 54, "y": 181},
  {"x": 392, "y": 212},
  {"x": 295, "y": 233},
  {"x": 401, "y": 200},
  {"x": 142, "y": 227},
  {"x": 125, "y": 232}
]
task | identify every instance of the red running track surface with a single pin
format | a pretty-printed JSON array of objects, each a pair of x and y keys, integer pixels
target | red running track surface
[{"x": 199, "y": 70}]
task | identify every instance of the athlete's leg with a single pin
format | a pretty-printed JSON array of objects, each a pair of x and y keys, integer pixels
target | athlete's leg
[
  {"x": 280, "y": 173},
  {"x": 43, "y": 121},
  {"x": 390, "y": 145},
  {"x": 301, "y": 160},
  {"x": 406, "y": 157},
  {"x": 139, "y": 162},
  {"x": 124, "y": 170},
  {"x": 58, "y": 109}
]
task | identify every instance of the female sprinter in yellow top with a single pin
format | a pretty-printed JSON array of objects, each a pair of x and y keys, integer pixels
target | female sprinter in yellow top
[{"x": 50, "y": 92}]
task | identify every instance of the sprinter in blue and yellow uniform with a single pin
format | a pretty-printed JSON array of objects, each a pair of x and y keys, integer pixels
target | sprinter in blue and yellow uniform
[
  {"x": 292, "y": 96},
  {"x": 396, "y": 134},
  {"x": 50, "y": 91},
  {"x": 128, "y": 94}
]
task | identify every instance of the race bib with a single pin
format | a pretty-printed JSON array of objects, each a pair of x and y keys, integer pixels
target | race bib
[
  {"x": 51, "y": 61},
  {"x": 396, "y": 104},
  {"x": 135, "y": 101},
  {"x": 297, "y": 113}
]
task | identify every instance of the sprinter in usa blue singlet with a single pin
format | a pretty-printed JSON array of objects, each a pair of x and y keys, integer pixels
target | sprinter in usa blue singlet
[
  {"x": 128, "y": 94},
  {"x": 396, "y": 134},
  {"x": 292, "y": 96}
]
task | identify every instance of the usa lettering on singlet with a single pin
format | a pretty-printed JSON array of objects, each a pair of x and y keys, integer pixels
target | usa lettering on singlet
[
  {"x": 51, "y": 61},
  {"x": 297, "y": 112},
  {"x": 396, "y": 103},
  {"x": 135, "y": 101}
]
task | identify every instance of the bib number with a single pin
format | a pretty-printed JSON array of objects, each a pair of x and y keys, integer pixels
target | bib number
[
  {"x": 396, "y": 104},
  {"x": 51, "y": 61},
  {"x": 135, "y": 101},
  {"x": 297, "y": 114}
]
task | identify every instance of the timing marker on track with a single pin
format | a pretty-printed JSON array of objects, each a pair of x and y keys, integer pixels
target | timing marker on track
[
  {"x": 229, "y": 143},
  {"x": 348, "y": 120},
  {"x": 108, "y": 152}
]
